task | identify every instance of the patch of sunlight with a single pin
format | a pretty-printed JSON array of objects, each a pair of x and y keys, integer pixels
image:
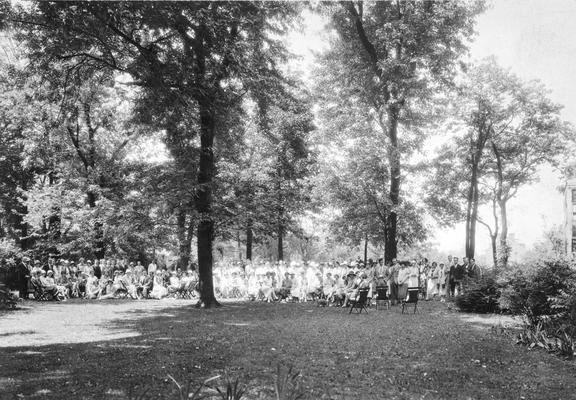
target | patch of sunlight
[
  {"x": 131, "y": 346},
  {"x": 29, "y": 353},
  {"x": 489, "y": 320},
  {"x": 79, "y": 322},
  {"x": 115, "y": 392},
  {"x": 7, "y": 382},
  {"x": 50, "y": 375}
]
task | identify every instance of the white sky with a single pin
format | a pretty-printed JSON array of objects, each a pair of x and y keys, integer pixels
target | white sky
[{"x": 536, "y": 40}]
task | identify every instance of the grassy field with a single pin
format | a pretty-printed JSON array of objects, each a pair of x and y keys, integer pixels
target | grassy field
[{"x": 436, "y": 354}]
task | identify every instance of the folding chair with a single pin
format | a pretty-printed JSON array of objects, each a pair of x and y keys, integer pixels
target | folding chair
[
  {"x": 411, "y": 298},
  {"x": 382, "y": 296},
  {"x": 40, "y": 294},
  {"x": 360, "y": 302}
]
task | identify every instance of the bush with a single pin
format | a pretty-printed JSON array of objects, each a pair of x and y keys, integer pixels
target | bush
[
  {"x": 480, "y": 295},
  {"x": 531, "y": 293},
  {"x": 545, "y": 295}
]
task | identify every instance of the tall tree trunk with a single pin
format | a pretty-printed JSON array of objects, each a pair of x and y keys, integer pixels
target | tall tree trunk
[
  {"x": 280, "y": 243},
  {"x": 204, "y": 205},
  {"x": 249, "y": 240},
  {"x": 477, "y": 149},
  {"x": 494, "y": 250},
  {"x": 365, "y": 249},
  {"x": 504, "y": 251},
  {"x": 391, "y": 249},
  {"x": 99, "y": 245},
  {"x": 472, "y": 213},
  {"x": 499, "y": 198}
]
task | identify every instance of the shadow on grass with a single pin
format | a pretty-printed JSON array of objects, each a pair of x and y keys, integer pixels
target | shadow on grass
[{"x": 382, "y": 354}]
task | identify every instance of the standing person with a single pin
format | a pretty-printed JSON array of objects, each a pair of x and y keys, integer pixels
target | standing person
[
  {"x": 432, "y": 284},
  {"x": 23, "y": 276},
  {"x": 474, "y": 271},
  {"x": 403, "y": 276},
  {"x": 458, "y": 277},
  {"x": 442, "y": 273},
  {"x": 393, "y": 273},
  {"x": 97, "y": 269},
  {"x": 152, "y": 267},
  {"x": 451, "y": 271}
]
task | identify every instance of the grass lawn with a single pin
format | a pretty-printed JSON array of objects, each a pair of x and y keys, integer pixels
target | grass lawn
[{"x": 436, "y": 354}]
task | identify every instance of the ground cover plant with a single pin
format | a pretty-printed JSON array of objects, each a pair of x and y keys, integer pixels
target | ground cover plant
[
  {"x": 435, "y": 354},
  {"x": 542, "y": 293}
]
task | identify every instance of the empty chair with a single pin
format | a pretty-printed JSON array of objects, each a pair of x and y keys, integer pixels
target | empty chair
[
  {"x": 382, "y": 296},
  {"x": 411, "y": 298}
]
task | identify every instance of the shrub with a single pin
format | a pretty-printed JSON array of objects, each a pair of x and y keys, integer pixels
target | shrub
[
  {"x": 531, "y": 294},
  {"x": 480, "y": 295}
]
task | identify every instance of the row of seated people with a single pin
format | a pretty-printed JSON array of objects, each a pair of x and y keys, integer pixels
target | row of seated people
[
  {"x": 121, "y": 285},
  {"x": 333, "y": 290}
]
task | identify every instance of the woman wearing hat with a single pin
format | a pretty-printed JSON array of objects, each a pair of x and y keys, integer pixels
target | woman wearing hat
[{"x": 158, "y": 289}]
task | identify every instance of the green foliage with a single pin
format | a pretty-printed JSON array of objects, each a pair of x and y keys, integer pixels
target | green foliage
[{"x": 480, "y": 295}]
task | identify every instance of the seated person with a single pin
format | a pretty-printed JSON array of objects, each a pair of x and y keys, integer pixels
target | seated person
[
  {"x": 352, "y": 289},
  {"x": 298, "y": 289},
  {"x": 329, "y": 286},
  {"x": 339, "y": 292},
  {"x": 92, "y": 285},
  {"x": 114, "y": 288},
  {"x": 315, "y": 286},
  {"x": 236, "y": 286},
  {"x": 267, "y": 288},
  {"x": 159, "y": 291},
  {"x": 129, "y": 281},
  {"x": 253, "y": 287},
  {"x": 174, "y": 283},
  {"x": 144, "y": 286},
  {"x": 284, "y": 291},
  {"x": 48, "y": 285}
]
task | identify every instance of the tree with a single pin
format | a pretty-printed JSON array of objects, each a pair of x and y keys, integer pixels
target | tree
[
  {"x": 508, "y": 129},
  {"x": 389, "y": 57},
  {"x": 199, "y": 54}
]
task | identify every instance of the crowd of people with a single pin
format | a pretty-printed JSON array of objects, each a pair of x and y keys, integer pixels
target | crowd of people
[
  {"x": 334, "y": 282},
  {"x": 61, "y": 279}
]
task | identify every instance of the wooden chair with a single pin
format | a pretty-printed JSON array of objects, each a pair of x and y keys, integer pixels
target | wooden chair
[
  {"x": 382, "y": 296},
  {"x": 411, "y": 298},
  {"x": 360, "y": 302}
]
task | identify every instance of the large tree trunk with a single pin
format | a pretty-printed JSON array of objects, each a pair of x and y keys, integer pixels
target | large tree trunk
[
  {"x": 249, "y": 240},
  {"x": 185, "y": 233},
  {"x": 204, "y": 206},
  {"x": 477, "y": 149},
  {"x": 472, "y": 213},
  {"x": 99, "y": 245},
  {"x": 504, "y": 251},
  {"x": 391, "y": 249},
  {"x": 494, "y": 250}
]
